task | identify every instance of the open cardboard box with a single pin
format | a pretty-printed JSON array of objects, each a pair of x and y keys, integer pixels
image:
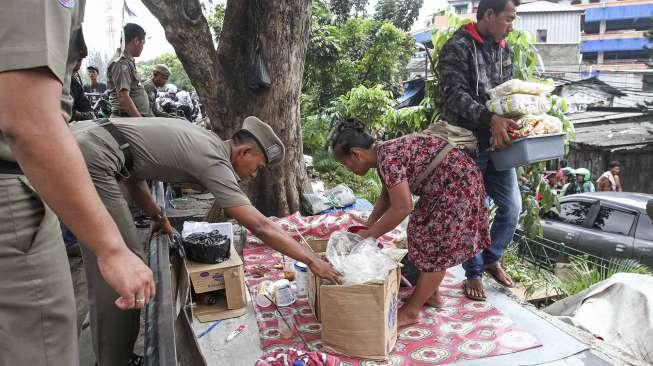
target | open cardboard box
[
  {"x": 357, "y": 320},
  {"x": 228, "y": 276}
]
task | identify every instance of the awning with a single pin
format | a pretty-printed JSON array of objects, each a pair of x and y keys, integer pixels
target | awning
[
  {"x": 619, "y": 13},
  {"x": 423, "y": 37},
  {"x": 616, "y": 44}
]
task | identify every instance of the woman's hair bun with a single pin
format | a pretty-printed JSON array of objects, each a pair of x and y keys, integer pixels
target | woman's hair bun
[{"x": 349, "y": 124}]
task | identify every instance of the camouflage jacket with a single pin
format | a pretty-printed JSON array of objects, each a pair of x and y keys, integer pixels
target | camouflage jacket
[{"x": 470, "y": 65}]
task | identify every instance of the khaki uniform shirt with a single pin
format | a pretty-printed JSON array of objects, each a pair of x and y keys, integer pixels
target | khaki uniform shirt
[
  {"x": 151, "y": 91},
  {"x": 123, "y": 75},
  {"x": 176, "y": 151},
  {"x": 52, "y": 38}
]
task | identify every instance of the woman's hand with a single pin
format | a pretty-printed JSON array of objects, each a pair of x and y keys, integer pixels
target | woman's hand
[{"x": 365, "y": 233}]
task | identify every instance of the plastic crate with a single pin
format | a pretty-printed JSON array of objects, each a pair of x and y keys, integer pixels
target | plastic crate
[{"x": 528, "y": 150}]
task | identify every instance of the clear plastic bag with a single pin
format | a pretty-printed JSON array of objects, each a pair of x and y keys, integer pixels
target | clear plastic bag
[
  {"x": 516, "y": 86},
  {"x": 358, "y": 260},
  {"x": 519, "y": 104}
]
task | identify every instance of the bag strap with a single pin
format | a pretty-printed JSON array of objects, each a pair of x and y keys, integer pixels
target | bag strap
[
  {"x": 434, "y": 164},
  {"x": 123, "y": 144}
]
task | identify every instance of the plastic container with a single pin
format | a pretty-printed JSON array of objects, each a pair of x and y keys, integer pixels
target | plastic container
[
  {"x": 283, "y": 293},
  {"x": 286, "y": 322},
  {"x": 263, "y": 294},
  {"x": 301, "y": 279},
  {"x": 529, "y": 150}
]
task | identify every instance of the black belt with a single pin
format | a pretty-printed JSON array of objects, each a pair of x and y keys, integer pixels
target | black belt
[
  {"x": 10, "y": 167},
  {"x": 123, "y": 144}
]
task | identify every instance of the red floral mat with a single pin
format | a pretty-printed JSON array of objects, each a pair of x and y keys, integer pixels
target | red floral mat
[{"x": 462, "y": 329}]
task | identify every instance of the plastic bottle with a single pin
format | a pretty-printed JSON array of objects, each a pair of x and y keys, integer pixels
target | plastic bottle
[{"x": 301, "y": 278}]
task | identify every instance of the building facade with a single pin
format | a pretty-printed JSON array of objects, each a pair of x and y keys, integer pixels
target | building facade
[
  {"x": 614, "y": 32},
  {"x": 557, "y": 31}
]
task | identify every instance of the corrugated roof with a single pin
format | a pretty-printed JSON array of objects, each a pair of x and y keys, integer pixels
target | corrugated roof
[
  {"x": 546, "y": 7},
  {"x": 635, "y": 135}
]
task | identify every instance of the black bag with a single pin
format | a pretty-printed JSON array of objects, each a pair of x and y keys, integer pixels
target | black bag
[
  {"x": 211, "y": 248},
  {"x": 258, "y": 75}
]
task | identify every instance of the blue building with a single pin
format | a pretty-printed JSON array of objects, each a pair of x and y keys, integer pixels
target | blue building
[{"x": 614, "y": 31}]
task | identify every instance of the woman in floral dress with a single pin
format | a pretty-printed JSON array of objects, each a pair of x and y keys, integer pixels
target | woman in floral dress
[{"x": 449, "y": 222}]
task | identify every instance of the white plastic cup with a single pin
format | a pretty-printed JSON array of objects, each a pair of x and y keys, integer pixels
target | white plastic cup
[
  {"x": 263, "y": 294},
  {"x": 283, "y": 293},
  {"x": 301, "y": 278}
]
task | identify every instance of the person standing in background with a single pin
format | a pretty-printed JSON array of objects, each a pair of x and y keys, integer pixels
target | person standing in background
[
  {"x": 610, "y": 181},
  {"x": 94, "y": 86},
  {"x": 126, "y": 92}
]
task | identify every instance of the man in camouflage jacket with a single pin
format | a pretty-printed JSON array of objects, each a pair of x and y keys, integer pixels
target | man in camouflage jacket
[{"x": 475, "y": 60}]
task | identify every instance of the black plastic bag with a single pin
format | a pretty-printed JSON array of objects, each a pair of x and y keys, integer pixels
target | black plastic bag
[{"x": 208, "y": 248}]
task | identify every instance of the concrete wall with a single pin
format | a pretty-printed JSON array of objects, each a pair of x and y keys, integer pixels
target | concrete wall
[
  {"x": 559, "y": 57},
  {"x": 636, "y": 174}
]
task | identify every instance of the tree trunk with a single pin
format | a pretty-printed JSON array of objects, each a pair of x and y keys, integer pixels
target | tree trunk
[{"x": 221, "y": 79}]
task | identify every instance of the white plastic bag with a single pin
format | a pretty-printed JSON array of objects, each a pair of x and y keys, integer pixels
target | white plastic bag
[
  {"x": 519, "y": 104},
  {"x": 359, "y": 260},
  {"x": 516, "y": 86},
  {"x": 340, "y": 196}
]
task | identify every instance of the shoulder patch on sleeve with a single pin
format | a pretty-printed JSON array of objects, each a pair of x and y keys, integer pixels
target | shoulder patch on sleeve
[{"x": 67, "y": 3}]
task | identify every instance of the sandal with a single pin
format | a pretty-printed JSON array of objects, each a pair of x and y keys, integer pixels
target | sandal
[
  {"x": 494, "y": 271},
  {"x": 468, "y": 294}
]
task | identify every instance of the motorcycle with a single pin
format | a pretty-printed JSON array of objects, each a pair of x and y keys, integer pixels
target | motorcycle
[{"x": 102, "y": 107}]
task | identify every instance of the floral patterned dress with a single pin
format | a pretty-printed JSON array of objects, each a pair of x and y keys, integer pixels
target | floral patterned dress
[{"x": 449, "y": 223}]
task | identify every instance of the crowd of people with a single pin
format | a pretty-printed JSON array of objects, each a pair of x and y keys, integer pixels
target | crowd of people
[
  {"x": 567, "y": 181},
  {"x": 165, "y": 100}
]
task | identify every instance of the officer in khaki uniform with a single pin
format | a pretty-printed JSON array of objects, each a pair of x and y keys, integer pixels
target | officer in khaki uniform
[
  {"x": 160, "y": 76},
  {"x": 39, "y": 45},
  {"x": 172, "y": 151},
  {"x": 126, "y": 93}
]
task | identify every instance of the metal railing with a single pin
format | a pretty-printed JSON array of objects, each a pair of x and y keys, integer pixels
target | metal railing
[{"x": 543, "y": 253}]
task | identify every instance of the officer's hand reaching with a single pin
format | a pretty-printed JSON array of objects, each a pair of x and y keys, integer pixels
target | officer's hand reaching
[
  {"x": 126, "y": 273},
  {"x": 324, "y": 270},
  {"x": 162, "y": 224}
]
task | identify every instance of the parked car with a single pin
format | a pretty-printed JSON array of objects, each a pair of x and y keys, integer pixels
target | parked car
[{"x": 606, "y": 224}]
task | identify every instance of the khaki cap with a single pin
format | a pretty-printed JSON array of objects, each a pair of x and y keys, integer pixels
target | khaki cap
[
  {"x": 162, "y": 69},
  {"x": 263, "y": 134}
]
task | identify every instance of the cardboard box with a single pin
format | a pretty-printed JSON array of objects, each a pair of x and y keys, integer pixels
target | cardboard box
[
  {"x": 318, "y": 246},
  {"x": 219, "y": 311},
  {"x": 228, "y": 276},
  {"x": 357, "y": 320}
]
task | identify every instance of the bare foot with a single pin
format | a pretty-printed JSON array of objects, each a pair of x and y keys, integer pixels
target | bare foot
[
  {"x": 500, "y": 275},
  {"x": 406, "y": 317},
  {"x": 473, "y": 289},
  {"x": 435, "y": 301}
]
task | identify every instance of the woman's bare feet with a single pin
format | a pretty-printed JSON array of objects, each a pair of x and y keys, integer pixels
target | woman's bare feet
[
  {"x": 435, "y": 301},
  {"x": 473, "y": 289},
  {"x": 406, "y": 316}
]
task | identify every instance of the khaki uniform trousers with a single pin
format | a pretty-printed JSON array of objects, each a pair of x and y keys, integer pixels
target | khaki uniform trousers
[
  {"x": 37, "y": 304},
  {"x": 114, "y": 331}
]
